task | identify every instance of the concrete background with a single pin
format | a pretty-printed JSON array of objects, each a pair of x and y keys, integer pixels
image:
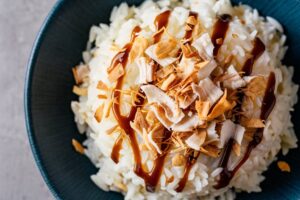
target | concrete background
[{"x": 20, "y": 21}]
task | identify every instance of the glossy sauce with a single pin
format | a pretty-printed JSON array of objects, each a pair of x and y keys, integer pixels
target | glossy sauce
[
  {"x": 219, "y": 32},
  {"x": 161, "y": 21},
  {"x": 257, "y": 51},
  {"x": 191, "y": 160},
  {"x": 268, "y": 104},
  {"x": 151, "y": 179}
]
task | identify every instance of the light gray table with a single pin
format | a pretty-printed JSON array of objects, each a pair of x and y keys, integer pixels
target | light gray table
[{"x": 19, "y": 23}]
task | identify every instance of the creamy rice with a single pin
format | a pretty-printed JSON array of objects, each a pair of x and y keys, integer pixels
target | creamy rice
[{"x": 107, "y": 40}]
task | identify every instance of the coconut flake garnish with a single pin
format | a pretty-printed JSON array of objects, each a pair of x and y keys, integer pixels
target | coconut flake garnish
[
  {"x": 231, "y": 130},
  {"x": 204, "y": 45},
  {"x": 171, "y": 109},
  {"x": 222, "y": 106},
  {"x": 150, "y": 51},
  {"x": 80, "y": 72},
  {"x": 196, "y": 140},
  {"x": 205, "y": 68},
  {"x": 187, "y": 124},
  {"x": 146, "y": 70},
  {"x": 232, "y": 79},
  {"x": 207, "y": 91}
]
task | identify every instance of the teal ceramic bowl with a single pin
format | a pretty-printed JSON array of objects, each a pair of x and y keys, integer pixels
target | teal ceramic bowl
[{"x": 49, "y": 82}]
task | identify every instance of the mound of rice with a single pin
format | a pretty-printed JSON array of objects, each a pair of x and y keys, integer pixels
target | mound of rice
[{"x": 107, "y": 40}]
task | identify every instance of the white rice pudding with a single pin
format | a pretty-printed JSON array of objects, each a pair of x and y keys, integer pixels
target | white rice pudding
[{"x": 184, "y": 99}]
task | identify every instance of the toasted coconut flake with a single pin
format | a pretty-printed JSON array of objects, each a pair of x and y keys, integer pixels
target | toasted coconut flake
[
  {"x": 147, "y": 142},
  {"x": 164, "y": 72},
  {"x": 170, "y": 107},
  {"x": 196, "y": 140},
  {"x": 166, "y": 48},
  {"x": 256, "y": 87},
  {"x": 139, "y": 121},
  {"x": 178, "y": 160},
  {"x": 99, "y": 113},
  {"x": 150, "y": 117},
  {"x": 284, "y": 166},
  {"x": 155, "y": 136},
  {"x": 232, "y": 79},
  {"x": 204, "y": 45},
  {"x": 221, "y": 107},
  {"x": 80, "y": 73},
  {"x": 168, "y": 82},
  {"x": 191, "y": 20},
  {"x": 211, "y": 151},
  {"x": 146, "y": 70},
  {"x": 205, "y": 68},
  {"x": 187, "y": 124},
  {"x": 102, "y": 86},
  {"x": 207, "y": 91},
  {"x": 186, "y": 100},
  {"x": 212, "y": 135},
  {"x": 150, "y": 51},
  {"x": 239, "y": 134},
  {"x": 189, "y": 51},
  {"x": 102, "y": 96},
  {"x": 252, "y": 123},
  {"x": 138, "y": 48},
  {"x": 236, "y": 149},
  {"x": 161, "y": 116},
  {"x": 112, "y": 129},
  {"x": 77, "y": 146},
  {"x": 80, "y": 91},
  {"x": 238, "y": 137},
  {"x": 107, "y": 113},
  {"x": 227, "y": 132},
  {"x": 202, "y": 108},
  {"x": 116, "y": 73}
]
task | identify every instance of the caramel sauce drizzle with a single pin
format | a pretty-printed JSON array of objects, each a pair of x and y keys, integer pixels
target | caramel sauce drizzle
[
  {"x": 161, "y": 21},
  {"x": 151, "y": 179},
  {"x": 219, "y": 32},
  {"x": 268, "y": 104}
]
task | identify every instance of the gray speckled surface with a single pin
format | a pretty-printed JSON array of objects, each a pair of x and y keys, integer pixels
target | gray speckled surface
[{"x": 19, "y": 23}]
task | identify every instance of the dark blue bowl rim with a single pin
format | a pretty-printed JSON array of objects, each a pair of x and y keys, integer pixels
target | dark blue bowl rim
[{"x": 27, "y": 96}]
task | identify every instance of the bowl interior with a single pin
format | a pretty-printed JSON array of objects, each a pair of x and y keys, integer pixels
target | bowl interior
[{"x": 48, "y": 94}]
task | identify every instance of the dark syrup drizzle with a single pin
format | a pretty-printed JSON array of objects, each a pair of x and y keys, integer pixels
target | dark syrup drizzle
[
  {"x": 268, "y": 104},
  {"x": 161, "y": 21},
  {"x": 256, "y": 52},
  {"x": 219, "y": 32},
  {"x": 191, "y": 160},
  {"x": 151, "y": 179}
]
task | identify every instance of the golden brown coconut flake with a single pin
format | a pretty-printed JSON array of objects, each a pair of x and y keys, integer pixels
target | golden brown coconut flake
[
  {"x": 178, "y": 160},
  {"x": 77, "y": 146},
  {"x": 102, "y": 86},
  {"x": 99, "y": 113},
  {"x": 252, "y": 123},
  {"x": 284, "y": 166},
  {"x": 146, "y": 70},
  {"x": 116, "y": 73},
  {"x": 196, "y": 140},
  {"x": 138, "y": 48},
  {"x": 80, "y": 72},
  {"x": 166, "y": 48},
  {"x": 171, "y": 109},
  {"x": 202, "y": 108},
  {"x": 222, "y": 106},
  {"x": 80, "y": 91}
]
